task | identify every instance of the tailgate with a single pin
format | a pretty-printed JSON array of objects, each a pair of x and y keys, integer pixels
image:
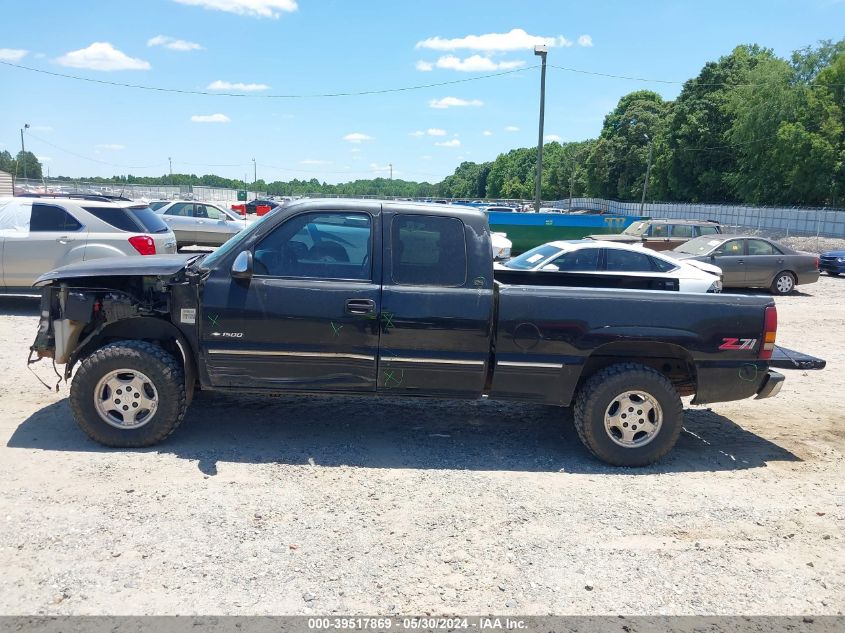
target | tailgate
[{"x": 783, "y": 358}]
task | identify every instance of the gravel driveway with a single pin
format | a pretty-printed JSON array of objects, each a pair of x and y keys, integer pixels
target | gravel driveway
[{"x": 298, "y": 505}]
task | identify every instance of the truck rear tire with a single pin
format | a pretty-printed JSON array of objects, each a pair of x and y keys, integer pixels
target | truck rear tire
[
  {"x": 128, "y": 394},
  {"x": 628, "y": 415}
]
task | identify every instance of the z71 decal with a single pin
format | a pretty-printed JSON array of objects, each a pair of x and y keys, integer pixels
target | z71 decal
[{"x": 738, "y": 343}]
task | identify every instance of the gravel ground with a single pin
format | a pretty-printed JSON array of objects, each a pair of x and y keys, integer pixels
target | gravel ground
[{"x": 300, "y": 505}]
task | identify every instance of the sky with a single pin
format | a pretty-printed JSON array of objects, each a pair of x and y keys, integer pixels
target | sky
[{"x": 300, "y": 48}]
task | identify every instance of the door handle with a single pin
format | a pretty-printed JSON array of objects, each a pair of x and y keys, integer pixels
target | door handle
[
  {"x": 740, "y": 261},
  {"x": 360, "y": 306},
  {"x": 63, "y": 239}
]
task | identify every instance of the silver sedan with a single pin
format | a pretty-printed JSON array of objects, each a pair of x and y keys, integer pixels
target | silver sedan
[{"x": 200, "y": 223}]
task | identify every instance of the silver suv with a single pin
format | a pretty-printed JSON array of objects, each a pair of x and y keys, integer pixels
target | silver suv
[{"x": 39, "y": 234}]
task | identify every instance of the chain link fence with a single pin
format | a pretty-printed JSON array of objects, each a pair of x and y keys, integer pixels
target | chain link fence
[{"x": 132, "y": 191}]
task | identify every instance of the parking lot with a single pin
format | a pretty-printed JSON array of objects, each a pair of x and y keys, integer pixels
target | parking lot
[{"x": 315, "y": 505}]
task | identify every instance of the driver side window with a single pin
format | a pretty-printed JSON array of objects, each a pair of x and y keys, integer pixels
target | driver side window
[
  {"x": 322, "y": 245},
  {"x": 733, "y": 248}
]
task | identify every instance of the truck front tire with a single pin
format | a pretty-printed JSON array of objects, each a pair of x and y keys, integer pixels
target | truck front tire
[
  {"x": 128, "y": 394},
  {"x": 628, "y": 415}
]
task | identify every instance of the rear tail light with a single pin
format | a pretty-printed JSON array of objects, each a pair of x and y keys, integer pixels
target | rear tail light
[
  {"x": 144, "y": 244},
  {"x": 817, "y": 263},
  {"x": 770, "y": 328}
]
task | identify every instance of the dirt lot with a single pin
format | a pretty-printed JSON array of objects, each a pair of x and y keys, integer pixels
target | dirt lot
[{"x": 313, "y": 505}]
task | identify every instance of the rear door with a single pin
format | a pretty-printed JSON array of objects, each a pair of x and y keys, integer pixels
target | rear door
[
  {"x": 680, "y": 233},
  {"x": 437, "y": 306},
  {"x": 180, "y": 218},
  {"x": 53, "y": 234},
  {"x": 307, "y": 320}
]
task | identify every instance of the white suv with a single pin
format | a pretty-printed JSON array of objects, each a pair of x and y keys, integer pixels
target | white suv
[{"x": 41, "y": 233}]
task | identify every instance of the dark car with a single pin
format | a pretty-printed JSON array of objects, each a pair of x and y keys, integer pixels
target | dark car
[
  {"x": 662, "y": 234},
  {"x": 753, "y": 262},
  {"x": 252, "y": 206},
  {"x": 833, "y": 263}
]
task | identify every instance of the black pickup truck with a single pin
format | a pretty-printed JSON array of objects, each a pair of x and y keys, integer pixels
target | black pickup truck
[{"x": 368, "y": 297}]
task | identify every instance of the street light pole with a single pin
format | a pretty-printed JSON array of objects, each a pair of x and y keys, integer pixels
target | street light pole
[
  {"x": 255, "y": 177},
  {"x": 23, "y": 150},
  {"x": 647, "y": 174},
  {"x": 571, "y": 183},
  {"x": 170, "y": 162},
  {"x": 542, "y": 51}
]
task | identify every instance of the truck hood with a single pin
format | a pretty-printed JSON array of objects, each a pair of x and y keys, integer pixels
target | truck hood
[{"x": 152, "y": 265}]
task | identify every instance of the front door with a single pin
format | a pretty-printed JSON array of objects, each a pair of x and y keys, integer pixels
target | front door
[
  {"x": 437, "y": 305},
  {"x": 730, "y": 257},
  {"x": 307, "y": 319},
  {"x": 213, "y": 226}
]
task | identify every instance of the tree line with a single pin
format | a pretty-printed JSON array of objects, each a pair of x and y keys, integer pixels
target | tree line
[{"x": 751, "y": 127}]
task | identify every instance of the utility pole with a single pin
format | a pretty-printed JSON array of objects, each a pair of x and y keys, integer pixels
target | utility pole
[
  {"x": 170, "y": 161},
  {"x": 647, "y": 174},
  {"x": 255, "y": 177},
  {"x": 542, "y": 51},
  {"x": 571, "y": 183},
  {"x": 23, "y": 150},
  {"x": 391, "y": 170}
]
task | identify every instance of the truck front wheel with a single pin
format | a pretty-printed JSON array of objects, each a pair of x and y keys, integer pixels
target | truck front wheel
[
  {"x": 628, "y": 415},
  {"x": 128, "y": 394}
]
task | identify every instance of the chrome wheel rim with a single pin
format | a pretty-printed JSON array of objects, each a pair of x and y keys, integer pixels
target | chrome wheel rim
[
  {"x": 125, "y": 399},
  {"x": 785, "y": 284},
  {"x": 633, "y": 419}
]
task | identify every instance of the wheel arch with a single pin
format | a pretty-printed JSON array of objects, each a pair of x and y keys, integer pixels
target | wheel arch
[{"x": 143, "y": 328}]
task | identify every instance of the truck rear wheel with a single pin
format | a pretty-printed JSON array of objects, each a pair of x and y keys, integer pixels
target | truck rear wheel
[
  {"x": 128, "y": 394},
  {"x": 628, "y": 415}
]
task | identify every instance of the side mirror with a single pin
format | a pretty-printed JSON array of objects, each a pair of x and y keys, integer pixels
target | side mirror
[
  {"x": 242, "y": 266},
  {"x": 713, "y": 257},
  {"x": 551, "y": 267}
]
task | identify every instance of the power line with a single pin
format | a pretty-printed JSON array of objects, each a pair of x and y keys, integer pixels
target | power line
[
  {"x": 93, "y": 160},
  {"x": 265, "y": 96}
]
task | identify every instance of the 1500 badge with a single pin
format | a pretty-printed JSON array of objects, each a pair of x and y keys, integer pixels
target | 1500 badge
[
  {"x": 228, "y": 334},
  {"x": 738, "y": 343}
]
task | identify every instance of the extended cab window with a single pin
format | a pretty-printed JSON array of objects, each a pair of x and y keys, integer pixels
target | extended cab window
[
  {"x": 659, "y": 230},
  {"x": 708, "y": 230},
  {"x": 321, "y": 245},
  {"x": 46, "y": 217},
  {"x": 682, "y": 230},
  {"x": 428, "y": 250}
]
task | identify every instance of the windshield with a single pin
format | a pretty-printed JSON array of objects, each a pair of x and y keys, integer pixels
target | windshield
[
  {"x": 699, "y": 245},
  {"x": 637, "y": 228},
  {"x": 531, "y": 259},
  {"x": 235, "y": 243}
]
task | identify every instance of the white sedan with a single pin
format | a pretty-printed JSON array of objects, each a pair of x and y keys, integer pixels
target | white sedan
[{"x": 606, "y": 258}]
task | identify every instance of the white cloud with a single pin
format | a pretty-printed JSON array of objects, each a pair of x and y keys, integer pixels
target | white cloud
[
  {"x": 425, "y": 157},
  {"x": 585, "y": 40},
  {"x": 552, "y": 138},
  {"x": 511, "y": 128},
  {"x": 44, "y": 159},
  {"x": 417, "y": 133},
  {"x": 487, "y": 133},
  {"x": 355, "y": 150},
  {"x": 254, "y": 8},
  {"x": 452, "y": 102},
  {"x": 12, "y": 54},
  {"x": 314, "y": 161},
  {"x": 102, "y": 56},
  {"x": 513, "y": 40},
  {"x": 210, "y": 118},
  {"x": 111, "y": 146},
  {"x": 452, "y": 143},
  {"x": 424, "y": 66},
  {"x": 475, "y": 63},
  {"x": 357, "y": 137},
  {"x": 434, "y": 131},
  {"x": 173, "y": 44},
  {"x": 239, "y": 86}
]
